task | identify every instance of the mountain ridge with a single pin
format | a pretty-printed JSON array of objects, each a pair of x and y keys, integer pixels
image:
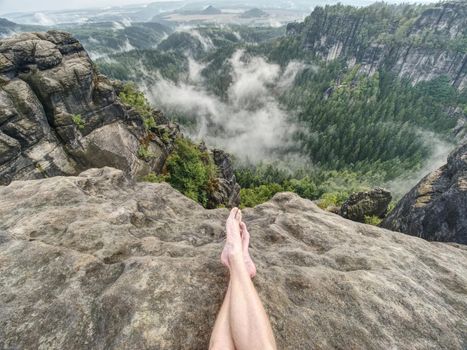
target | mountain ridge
[{"x": 419, "y": 48}]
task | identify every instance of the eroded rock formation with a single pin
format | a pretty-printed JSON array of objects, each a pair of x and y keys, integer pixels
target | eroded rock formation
[
  {"x": 96, "y": 261},
  {"x": 58, "y": 116},
  {"x": 436, "y": 208},
  {"x": 420, "y": 49}
]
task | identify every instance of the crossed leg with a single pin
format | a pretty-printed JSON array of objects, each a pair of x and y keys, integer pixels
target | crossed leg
[
  {"x": 221, "y": 338},
  {"x": 242, "y": 322}
]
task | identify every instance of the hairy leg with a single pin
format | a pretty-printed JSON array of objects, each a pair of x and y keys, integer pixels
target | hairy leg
[{"x": 221, "y": 338}]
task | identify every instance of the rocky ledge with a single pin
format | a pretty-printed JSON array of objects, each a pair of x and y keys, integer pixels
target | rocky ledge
[
  {"x": 97, "y": 261},
  {"x": 58, "y": 116}
]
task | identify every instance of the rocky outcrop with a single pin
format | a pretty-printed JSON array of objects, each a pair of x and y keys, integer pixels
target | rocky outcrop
[
  {"x": 58, "y": 116},
  {"x": 436, "y": 208},
  {"x": 370, "y": 203},
  {"x": 98, "y": 262},
  {"x": 229, "y": 189},
  {"x": 415, "y": 46}
]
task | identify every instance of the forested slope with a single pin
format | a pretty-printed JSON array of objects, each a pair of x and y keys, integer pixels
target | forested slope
[{"x": 375, "y": 93}]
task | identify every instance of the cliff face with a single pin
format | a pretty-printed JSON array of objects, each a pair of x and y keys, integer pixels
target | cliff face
[
  {"x": 98, "y": 262},
  {"x": 58, "y": 116},
  {"x": 415, "y": 46},
  {"x": 436, "y": 208}
]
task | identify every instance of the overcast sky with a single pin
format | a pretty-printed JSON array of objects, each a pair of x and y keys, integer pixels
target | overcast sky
[
  {"x": 44, "y": 5},
  {"x": 7, "y": 6}
]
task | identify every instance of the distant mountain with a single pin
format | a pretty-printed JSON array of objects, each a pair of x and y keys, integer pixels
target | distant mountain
[
  {"x": 254, "y": 13},
  {"x": 211, "y": 10},
  {"x": 4, "y": 23},
  {"x": 8, "y": 27}
]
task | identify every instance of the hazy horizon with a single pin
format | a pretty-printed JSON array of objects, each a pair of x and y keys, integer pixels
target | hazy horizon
[{"x": 11, "y": 6}]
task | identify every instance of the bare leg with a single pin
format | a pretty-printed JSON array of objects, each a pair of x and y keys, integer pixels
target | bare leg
[
  {"x": 250, "y": 265},
  {"x": 249, "y": 325},
  {"x": 221, "y": 338}
]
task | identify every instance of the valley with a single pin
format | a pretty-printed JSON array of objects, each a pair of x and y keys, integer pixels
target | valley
[
  {"x": 345, "y": 100},
  {"x": 163, "y": 163},
  {"x": 344, "y": 104}
]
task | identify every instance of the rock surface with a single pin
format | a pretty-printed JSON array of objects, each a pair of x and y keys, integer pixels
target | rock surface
[
  {"x": 370, "y": 203},
  {"x": 229, "y": 189},
  {"x": 436, "y": 208},
  {"x": 58, "y": 116},
  {"x": 47, "y": 81},
  {"x": 98, "y": 262}
]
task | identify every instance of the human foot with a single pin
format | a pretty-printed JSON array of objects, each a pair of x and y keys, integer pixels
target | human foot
[
  {"x": 250, "y": 265},
  {"x": 233, "y": 245}
]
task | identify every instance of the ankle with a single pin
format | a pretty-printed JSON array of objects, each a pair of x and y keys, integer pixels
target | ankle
[{"x": 235, "y": 255}]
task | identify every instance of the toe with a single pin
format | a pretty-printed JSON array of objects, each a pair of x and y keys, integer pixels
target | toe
[
  {"x": 233, "y": 213},
  {"x": 244, "y": 230},
  {"x": 238, "y": 216},
  {"x": 243, "y": 226}
]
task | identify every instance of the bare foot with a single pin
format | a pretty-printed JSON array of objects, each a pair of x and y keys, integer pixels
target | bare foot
[
  {"x": 250, "y": 265},
  {"x": 233, "y": 244}
]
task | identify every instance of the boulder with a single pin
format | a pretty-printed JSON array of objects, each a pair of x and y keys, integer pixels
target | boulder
[
  {"x": 370, "y": 203},
  {"x": 97, "y": 261},
  {"x": 436, "y": 208}
]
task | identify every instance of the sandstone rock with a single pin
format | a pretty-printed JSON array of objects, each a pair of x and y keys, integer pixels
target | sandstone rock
[
  {"x": 229, "y": 189},
  {"x": 8, "y": 147},
  {"x": 330, "y": 35},
  {"x": 52, "y": 80},
  {"x": 369, "y": 203},
  {"x": 98, "y": 262},
  {"x": 47, "y": 80},
  {"x": 436, "y": 208}
]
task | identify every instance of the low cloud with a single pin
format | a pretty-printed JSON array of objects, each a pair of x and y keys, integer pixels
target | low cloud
[
  {"x": 205, "y": 41},
  {"x": 43, "y": 20},
  {"x": 250, "y": 122},
  {"x": 104, "y": 54},
  {"x": 439, "y": 151}
]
